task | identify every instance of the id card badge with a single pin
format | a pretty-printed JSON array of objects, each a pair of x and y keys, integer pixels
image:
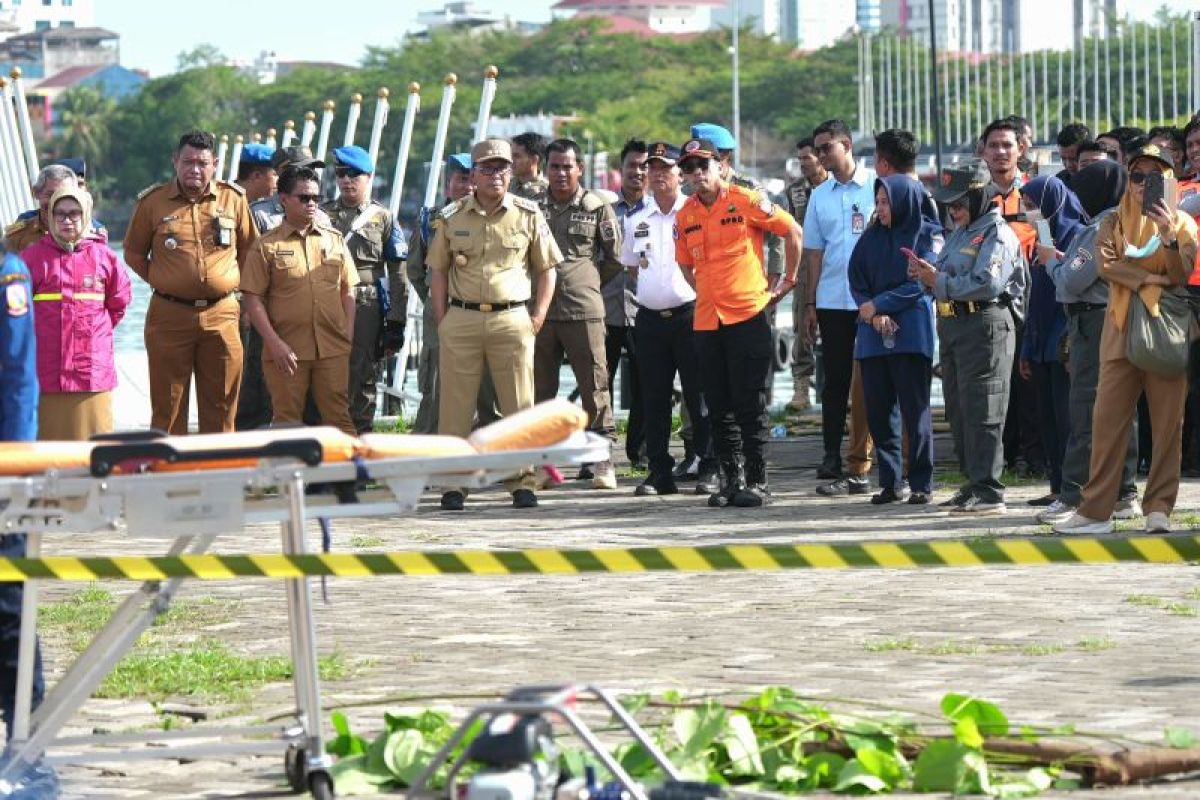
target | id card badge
[{"x": 858, "y": 223}]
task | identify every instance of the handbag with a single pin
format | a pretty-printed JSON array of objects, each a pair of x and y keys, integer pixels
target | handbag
[{"x": 1160, "y": 344}]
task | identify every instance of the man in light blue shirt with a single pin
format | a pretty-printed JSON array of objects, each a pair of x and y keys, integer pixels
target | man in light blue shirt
[{"x": 838, "y": 212}]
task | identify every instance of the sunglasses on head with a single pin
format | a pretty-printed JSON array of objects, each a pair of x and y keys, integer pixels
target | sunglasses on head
[
  {"x": 347, "y": 172},
  {"x": 307, "y": 198}
]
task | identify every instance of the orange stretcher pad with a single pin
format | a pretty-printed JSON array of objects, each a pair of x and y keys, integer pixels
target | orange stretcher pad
[{"x": 543, "y": 425}]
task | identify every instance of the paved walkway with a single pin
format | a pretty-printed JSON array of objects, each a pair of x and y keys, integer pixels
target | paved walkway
[{"x": 1052, "y": 645}]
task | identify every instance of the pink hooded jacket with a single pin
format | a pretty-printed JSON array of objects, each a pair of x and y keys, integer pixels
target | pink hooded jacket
[{"x": 78, "y": 298}]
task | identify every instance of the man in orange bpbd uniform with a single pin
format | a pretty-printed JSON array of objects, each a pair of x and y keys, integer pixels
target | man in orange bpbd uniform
[
  {"x": 188, "y": 239},
  {"x": 718, "y": 245},
  {"x": 298, "y": 286}
]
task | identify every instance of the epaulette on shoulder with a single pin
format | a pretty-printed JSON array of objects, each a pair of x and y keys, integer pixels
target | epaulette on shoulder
[
  {"x": 230, "y": 185},
  {"x": 746, "y": 182},
  {"x": 525, "y": 203},
  {"x": 592, "y": 201},
  {"x": 447, "y": 211},
  {"x": 16, "y": 227},
  {"x": 148, "y": 190}
]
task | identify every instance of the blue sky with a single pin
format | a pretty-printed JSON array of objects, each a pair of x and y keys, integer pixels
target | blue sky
[{"x": 150, "y": 39}]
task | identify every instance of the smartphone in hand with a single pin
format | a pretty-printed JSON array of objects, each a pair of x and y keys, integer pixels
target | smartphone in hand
[
  {"x": 908, "y": 253},
  {"x": 1154, "y": 191}
]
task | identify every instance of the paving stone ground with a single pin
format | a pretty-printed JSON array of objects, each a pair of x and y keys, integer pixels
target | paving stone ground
[{"x": 1024, "y": 638}]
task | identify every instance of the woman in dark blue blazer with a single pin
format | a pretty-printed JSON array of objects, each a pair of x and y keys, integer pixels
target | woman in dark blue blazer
[{"x": 894, "y": 346}]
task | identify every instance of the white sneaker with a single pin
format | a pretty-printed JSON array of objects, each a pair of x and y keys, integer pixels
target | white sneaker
[
  {"x": 1056, "y": 512},
  {"x": 1158, "y": 522},
  {"x": 1078, "y": 523},
  {"x": 1127, "y": 509},
  {"x": 605, "y": 477}
]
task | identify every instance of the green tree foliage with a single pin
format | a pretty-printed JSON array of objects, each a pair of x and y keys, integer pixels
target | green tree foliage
[{"x": 83, "y": 118}]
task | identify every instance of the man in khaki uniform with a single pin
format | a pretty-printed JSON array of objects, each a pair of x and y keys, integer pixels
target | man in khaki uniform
[
  {"x": 187, "y": 239},
  {"x": 586, "y": 229},
  {"x": 486, "y": 251},
  {"x": 298, "y": 286},
  {"x": 529, "y": 157}
]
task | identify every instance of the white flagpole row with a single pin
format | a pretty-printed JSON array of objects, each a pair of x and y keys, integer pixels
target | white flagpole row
[
  {"x": 10, "y": 195},
  {"x": 235, "y": 157},
  {"x": 309, "y": 130},
  {"x": 31, "y": 159},
  {"x": 377, "y": 124},
  {"x": 485, "y": 103},
  {"x": 222, "y": 152},
  {"x": 352, "y": 119},
  {"x": 19, "y": 185},
  {"x": 449, "y": 92}
]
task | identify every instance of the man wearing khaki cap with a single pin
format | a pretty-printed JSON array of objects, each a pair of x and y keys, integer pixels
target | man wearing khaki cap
[{"x": 486, "y": 252}]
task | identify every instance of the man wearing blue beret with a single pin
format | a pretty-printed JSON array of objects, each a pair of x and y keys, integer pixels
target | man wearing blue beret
[
  {"x": 377, "y": 245},
  {"x": 255, "y": 173}
]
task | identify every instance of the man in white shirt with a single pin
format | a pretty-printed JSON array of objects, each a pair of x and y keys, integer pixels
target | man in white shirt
[
  {"x": 837, "y": 214},
  {"x": 666, "y": 305}
]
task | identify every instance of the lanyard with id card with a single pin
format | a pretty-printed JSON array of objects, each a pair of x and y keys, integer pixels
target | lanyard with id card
[{"x": 858, "y": 223}]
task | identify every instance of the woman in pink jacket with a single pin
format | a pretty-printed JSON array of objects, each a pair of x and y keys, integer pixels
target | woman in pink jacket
[{"x": 80, "y": 292}]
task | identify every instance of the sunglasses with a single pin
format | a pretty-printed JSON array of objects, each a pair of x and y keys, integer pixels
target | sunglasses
[
  {"x": 1139, "y": 177},
  {"x": 347, "y": 172},
  {"x": 694, "y": 164},
  {"x": 307, "y": 198},
  {"x": 827, "y": 147}
]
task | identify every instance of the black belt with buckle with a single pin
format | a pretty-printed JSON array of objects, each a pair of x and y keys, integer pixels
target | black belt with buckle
[
  {"x": 1075, "y": 309},
  {"x": 183, "y": 301},
  {"x": 485, "y": 307},
  {"x": 667, "y": 313},
  {"x": 965, "y": 307}
]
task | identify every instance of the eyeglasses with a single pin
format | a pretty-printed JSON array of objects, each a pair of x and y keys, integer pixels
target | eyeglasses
[
  {"x": 490, "y": 171},
  {"x": 68, "y": 216},
  {"x": 347, "y": 172},
  {"x": 694, "y": 164},
  {"x": 307, "y": 198},
  {"x": 1138, "y": 177}
]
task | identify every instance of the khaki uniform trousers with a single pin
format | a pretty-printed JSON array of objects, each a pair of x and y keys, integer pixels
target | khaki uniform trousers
[
  {"x": 486, "y": 412},
  {"x": 860, "y": 446},
  {"x": 500, "y": 342},
  {"x": 74, "y": 416},
  {"x": 1117, "y": 394},
  {"x": 327, "y": 378},
  {"x": 180, "y": 341},
  {"x": 583, "y": 343}
]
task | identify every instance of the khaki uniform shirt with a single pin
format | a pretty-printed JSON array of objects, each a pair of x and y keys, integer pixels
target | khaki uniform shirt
[
  {"x": 376, "y": 245},
  {"x": 589, "y": 235},
  {"x": 491, "y": 257},
  {"x": 301, "y": 277},
  {"x": 24, "y": 232},
  {"x": 195, "y": 247}
]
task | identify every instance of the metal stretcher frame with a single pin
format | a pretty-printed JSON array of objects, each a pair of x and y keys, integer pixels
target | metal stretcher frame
[{"x": 191, "y": 508}]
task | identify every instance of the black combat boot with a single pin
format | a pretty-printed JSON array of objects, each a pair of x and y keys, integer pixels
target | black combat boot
[
  {"x": 757, "y": 492},
  {"x": 734, "y": 478}
]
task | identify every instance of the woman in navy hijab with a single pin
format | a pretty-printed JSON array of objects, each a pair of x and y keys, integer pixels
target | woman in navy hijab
[
  {"x": 894, "y": 346},
  {"x": 1042, "y": 360}
]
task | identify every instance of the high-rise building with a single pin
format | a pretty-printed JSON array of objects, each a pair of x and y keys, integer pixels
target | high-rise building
[
  {"x": 18, "y": 17},
  {"x": 761, "y": 16},
  {"x": 1001, "y": 26},
  {"x": 867, "y": 14},
  {"x": 812, "y": 24}
]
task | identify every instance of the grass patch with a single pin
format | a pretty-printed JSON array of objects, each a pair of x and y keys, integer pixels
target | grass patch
[
  {"x": 951, "y": 648},
  {"x": 1193, "y": 594},
  {"x": 397, "y": 425},
  {"x": 168, "y": 660},
  {"x": 366, "y": 541},
  {"x": 890, "y": 645},
  {"x": 1181, "y": 609},
  {"x": 1147, "y": 600},
  {"x": 1095, "y": 644},
  {"x": 208, "y": 670},
  {"x": 631, "y": 472},
  {"x": 1043, "y": 649},
  {"x": 1190, "y": 520}
]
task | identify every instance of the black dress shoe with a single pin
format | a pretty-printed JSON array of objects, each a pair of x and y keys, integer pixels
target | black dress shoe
[
  {"x": 918, "y": 499},
  {"x": 453, "y": 501},
  {"x": 709, "y": 481},
  {"x": 890, "y": 495},
  {"x": 955, "y": 500},
  {"x": 524, "y": 498},
  {"x": 854, "y": 484},
  {"x": 753, "y": 496},
  {"x": 586, "y": 473},
  {"x": 831, "y": 467},
  {"x": 654, "y": 486},
  {"x": 1044, "y": 500},
  {"x": 688, "y": 467}
]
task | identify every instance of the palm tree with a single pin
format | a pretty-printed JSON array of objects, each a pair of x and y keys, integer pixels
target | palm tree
[{"x": 82, "y": 124}]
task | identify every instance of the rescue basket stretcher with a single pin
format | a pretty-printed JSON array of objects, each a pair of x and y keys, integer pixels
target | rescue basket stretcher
[{"x": 190, "y": 490}]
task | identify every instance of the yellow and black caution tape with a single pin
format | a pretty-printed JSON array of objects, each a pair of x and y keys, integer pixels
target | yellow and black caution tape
[{"x": 1172, "y": 549}]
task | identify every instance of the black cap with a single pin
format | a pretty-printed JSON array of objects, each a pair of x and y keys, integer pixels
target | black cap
[
  {"x": 75, "y": 164},
  {"x": 666, "y": 153},
  {"x": 698, "y": 148},
  {"x": 1152, "y": 152},
  {"x": 959, "y": 179},
  {"x": 295, "y": 156}
]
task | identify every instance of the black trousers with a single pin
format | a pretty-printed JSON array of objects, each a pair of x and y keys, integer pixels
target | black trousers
[
  {"x": 897, "y": 388},
  {"x": 736, "y": 366},
  {"x": 1053, "y": 387},
  {"x": 838, "y": 331},
  {"x": 618, "y": 340},
  {"x": 665, "y": 346},
  {"x": 1022, "y": 434},
  {"x": 13, "y": 546}
]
